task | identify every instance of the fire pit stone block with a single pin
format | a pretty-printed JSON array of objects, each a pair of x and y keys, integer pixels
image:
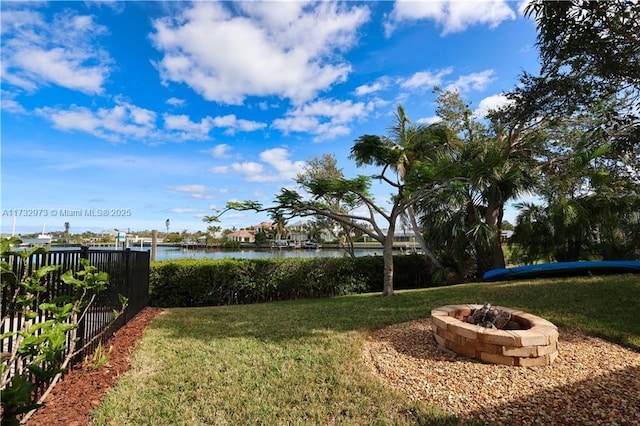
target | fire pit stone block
[{"x": 535, "y": 344}]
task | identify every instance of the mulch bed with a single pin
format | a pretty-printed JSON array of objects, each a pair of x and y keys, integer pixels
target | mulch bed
[
  {"x": 592, "y": 382},
  {"x": 82, "y": 388}
]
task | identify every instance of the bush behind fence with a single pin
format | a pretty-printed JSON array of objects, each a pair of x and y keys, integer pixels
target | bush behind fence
[{"x": 207, "y": 282}]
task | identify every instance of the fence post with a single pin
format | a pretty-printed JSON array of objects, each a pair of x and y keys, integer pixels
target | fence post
[
  {"x": 154, "y": 244},
  {"x": 127, "y": 282},
  {"x": 84, "y": 254}
]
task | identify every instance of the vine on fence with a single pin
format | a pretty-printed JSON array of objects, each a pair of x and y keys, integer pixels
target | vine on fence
[{"x": 46, "y": 342}]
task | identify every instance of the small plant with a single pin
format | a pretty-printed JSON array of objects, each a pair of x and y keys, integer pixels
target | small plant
[
  {"x": 99, "y": 358},
  {"x": 46, "y": 342}
]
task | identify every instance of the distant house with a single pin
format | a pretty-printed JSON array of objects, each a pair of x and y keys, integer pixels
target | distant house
[
  {"x": 299, "y": 231},
  {"x": 263, "y": 227},
  {"x": 399, "y": 236},
  {"x": 506, "y": 235},
  {"x": 242, "y": 236}
]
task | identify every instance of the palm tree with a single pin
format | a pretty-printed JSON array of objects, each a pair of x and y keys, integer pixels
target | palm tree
[
  {"x": 412, "y": 153},
  {"x": 407, "y": 146},
  {"x": 495, "y": 164},
  {"x": 589, "y": 211},
  {"x": 279, "y": 223}
]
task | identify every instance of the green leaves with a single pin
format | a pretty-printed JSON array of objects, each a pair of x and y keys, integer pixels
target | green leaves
[
  {"x": 339, "y": 188},
  {"x": 87, "y": 279},
  {"x": 41, "y": 345},
  {"x": 124, "y": 302},
  {"x": 16, "y": 399},
  {"x": 375, "y": 150}
]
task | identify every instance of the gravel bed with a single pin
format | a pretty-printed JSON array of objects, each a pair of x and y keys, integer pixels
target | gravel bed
[{"x": 592, "y": 382}]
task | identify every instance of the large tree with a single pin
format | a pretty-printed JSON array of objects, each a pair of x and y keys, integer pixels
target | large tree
[
  {"x": 590, "y": 54},
  {"x": 589, "y": 50},
  {"x": 372, "y": 218},
  {"x": 587, "y": 99},
  {"x": 591, "y": 199},
  {"x": 326, "y": 167},
  {"x": 495, "y": 159},
  {"x": 407, "y": 148},
  {"x": 594, "y": 43}
]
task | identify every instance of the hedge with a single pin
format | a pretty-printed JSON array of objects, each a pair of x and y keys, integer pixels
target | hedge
[{"x": 209, "y": 282}]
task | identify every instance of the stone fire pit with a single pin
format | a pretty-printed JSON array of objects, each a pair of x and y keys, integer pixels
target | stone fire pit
[{"x": 526, "y": 341}]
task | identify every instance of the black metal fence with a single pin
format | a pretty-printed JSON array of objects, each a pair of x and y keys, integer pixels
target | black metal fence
[{"x": 128, "y": 276}]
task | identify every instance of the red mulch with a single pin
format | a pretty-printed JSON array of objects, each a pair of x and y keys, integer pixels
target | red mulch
[{"x": 82, "y": 389}]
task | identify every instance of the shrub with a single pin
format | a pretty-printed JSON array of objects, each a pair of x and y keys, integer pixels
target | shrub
[
  {"x": 44, "y": 343},
  {"x": 207, "y": 282}
]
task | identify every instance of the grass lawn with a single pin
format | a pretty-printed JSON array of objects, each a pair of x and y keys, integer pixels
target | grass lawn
[{"x": 299, "y": 362}]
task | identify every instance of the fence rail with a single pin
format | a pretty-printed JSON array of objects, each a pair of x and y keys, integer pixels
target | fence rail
[{"x": 128, "y": 276}]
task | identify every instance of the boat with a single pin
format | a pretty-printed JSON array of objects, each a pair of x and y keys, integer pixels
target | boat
[
  {"x": 279, "y": 244},
  {"x": 311, "y": 245},
  {"x": 44, "y": 238},
  {"x": 564, "y": 269},
  {"x": 295, "y": 244}
]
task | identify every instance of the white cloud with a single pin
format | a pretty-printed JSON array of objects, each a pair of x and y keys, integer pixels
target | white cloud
[
  {"x": 278, "y": 158},
  {"x": 325, "y": 118},
  {"x": 367, "y": 89},
  {"x": 187, "y": 210},
  {"x": 429, "y": 120},
  {"x": 491, "y": 103},
  {"x": 37, "y": 53},
  {"x": 116, "y": 124},
  {"x": 425, "y": 80},
  {"x": 201, "y": 129},
  {"x": 188, "y": 129},
  {"x": 9, "y": 104},
  {"x": 452, "y": 15},
  {"x": 253, "y": 171},
  {"x": 274, "y": 166},
  {"x": 292, "y": 51},
  {"x": 234, "y": 124},
  {"x": 220, "y": 151},
  {"x": 220, "y": 169},
  {"x": 117, "y": 6},
  {"x": 176, "y": 102},
  {"x": 199, "y": 192},
  {"x": 127, "y": 121},
  {"x": 195, "y": 188},
  {"x": 476, "y": 81}
]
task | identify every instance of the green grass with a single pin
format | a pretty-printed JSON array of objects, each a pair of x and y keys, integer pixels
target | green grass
[{"x": 299, "y": 362}]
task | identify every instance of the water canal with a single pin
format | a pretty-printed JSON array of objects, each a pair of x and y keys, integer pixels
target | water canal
[{"x": 167, "y": 252}]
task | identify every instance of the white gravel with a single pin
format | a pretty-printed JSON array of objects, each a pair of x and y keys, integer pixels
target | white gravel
[{"x": 592, "y": 382}]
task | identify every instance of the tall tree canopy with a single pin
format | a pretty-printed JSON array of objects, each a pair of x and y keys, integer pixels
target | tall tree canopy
[
  {"x": 495, "y": 163},
  {"x": 588, "y": 49},
  {"x": 586, "y": 100},
  {"x": 405, "y": 168},
  {"x": 590, "y": 55},
  {"x": 326, "y": 167}
]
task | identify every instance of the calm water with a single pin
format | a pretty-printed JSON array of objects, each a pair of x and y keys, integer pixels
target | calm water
[{"x": 165, "y": 253}]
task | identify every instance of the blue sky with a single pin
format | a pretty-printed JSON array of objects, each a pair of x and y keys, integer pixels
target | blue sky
[{"x": 125, "y": 114}]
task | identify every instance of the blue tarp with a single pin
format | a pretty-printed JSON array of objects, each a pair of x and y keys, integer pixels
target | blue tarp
[{"x": 564, "y": 269}]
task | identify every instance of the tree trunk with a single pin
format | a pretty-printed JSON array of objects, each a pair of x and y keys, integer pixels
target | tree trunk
[
  {"x": 421, "y": 240},
  {"x": 493, "y": 217},
  {"x": 387, "y": 253}
]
